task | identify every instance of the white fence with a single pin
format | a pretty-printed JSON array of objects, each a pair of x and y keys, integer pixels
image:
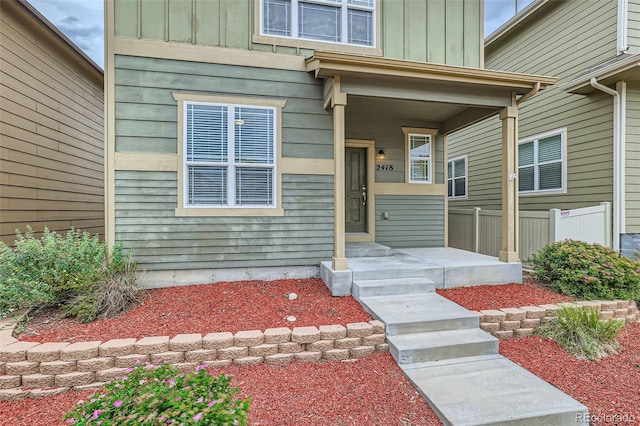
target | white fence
[{"x": 480, "y": 230}]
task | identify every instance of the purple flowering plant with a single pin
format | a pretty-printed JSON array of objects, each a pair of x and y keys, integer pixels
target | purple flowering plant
[{"x": 162, "y": 395}]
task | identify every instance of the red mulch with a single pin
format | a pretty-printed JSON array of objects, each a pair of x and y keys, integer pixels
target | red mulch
[
  {"x": 371, "y": 390},
  {"x": 609, "y": 387},
  {"x": 225, "y": 306},
  {"x": 485, "y": 297}
]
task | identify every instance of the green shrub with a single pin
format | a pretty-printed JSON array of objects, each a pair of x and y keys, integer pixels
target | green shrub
[
  {"x": 73, "y": 271},
  {"x": 588, "y": 271},
  {"x": 582, "y": 333},
  {"x": 159, "y": 395}
]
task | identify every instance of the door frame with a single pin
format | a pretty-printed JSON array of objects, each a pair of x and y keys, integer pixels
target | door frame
[{"x": 370, "y": 235}]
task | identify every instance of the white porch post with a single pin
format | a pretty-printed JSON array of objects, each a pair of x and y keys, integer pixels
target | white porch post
[
  {"x": 509, "y": 245},
  {"x": 338, "y": 103}
]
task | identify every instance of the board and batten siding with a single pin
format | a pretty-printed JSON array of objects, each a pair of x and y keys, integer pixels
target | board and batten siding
[
  {"x": 442, "y": 31},
  {"x": 51, "y": 132},
  {"x": 633, "y": 160},
  {"x": 414, "y": 221},
  {"x": 568, "y": 38},
  {"x": 145, "y": 221},
  {"x": 145, "y": 201}
]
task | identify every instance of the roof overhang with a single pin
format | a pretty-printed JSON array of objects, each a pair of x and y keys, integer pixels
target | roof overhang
[
  {"x": 326, "y": 65},
  {"x": 619, "y": 69},
  {"x": 532, "y": 9},
  {"x": 453, "y": 96}
]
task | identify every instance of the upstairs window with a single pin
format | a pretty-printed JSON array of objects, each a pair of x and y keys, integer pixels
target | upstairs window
[
  {"x": 541, "y": 163},
  {"x": 229, "y": 155},
  {"x": 457, "y": 178},
  {"x": 336, "y": 21}
]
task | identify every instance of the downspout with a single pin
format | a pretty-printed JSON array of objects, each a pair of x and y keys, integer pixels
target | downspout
[
  {"x": 622, "y": 26},
  {"x": 618, "y": 189},
  {"x": 529, "y": 94}
]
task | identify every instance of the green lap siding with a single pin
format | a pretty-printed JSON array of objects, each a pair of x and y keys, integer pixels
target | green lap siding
[
  {"x": 146, "y": 113},
  {"x": 633, "y": 160},
  {"x": 145, "y": 220},
  {"x": 414, "y": 221}
]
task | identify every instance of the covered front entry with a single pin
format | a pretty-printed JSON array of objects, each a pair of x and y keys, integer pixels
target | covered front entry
[{"x": 411, "y": 107}]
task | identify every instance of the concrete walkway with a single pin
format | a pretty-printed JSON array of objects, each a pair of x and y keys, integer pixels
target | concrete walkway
[{"x": 440, "y": 347}]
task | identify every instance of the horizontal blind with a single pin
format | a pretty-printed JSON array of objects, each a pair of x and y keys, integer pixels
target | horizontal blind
[
  {"x": 206, "y": 138},
  {"x": 550, "y": 149},
  {"x": 254, "y": 135},
  {"x": 207, "y": 186}
]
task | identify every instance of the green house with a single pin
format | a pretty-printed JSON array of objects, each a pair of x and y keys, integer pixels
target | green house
[{"x": 256, "y": 138}]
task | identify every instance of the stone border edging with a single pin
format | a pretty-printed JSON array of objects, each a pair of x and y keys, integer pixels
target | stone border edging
[
  {"x": 520, "y": 322},
  {"x": 36, "y": 370}
]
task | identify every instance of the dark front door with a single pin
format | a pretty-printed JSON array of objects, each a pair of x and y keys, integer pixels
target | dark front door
[{"x": 356, "y": 190}]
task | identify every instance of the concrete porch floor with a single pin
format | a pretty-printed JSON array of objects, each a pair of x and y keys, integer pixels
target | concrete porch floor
[{"x": 447, "y": 267}]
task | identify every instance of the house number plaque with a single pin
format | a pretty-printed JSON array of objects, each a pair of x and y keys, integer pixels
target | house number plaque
[{"x": 384, "y": 167}]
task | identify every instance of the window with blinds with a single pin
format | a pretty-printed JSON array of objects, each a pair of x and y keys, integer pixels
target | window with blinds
[
  {"x": 419, "y": 158},
  {"x": 541, "y": 163},
  {"x": 336, "y": 21},
  {"x": 457, "y": 178},
  {"x": 229, "y": 155}
]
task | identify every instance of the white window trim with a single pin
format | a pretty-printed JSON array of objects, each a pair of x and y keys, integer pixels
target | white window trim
[
  {"x": 408, "y": 131},
  {"x": 183, "y": 209},
  {"x": 261, "y": 38},
  {"x": 563, "y": 136},
  {"x": 466, "y": 178}
]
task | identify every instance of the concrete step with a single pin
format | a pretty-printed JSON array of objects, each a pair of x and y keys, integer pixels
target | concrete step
[
  {"x": 492, "y": 391},
  {"x": 439, "y": 345},
  {"x": 418, "y": 313},
  {"x": 367, "y": 250},
  {"x": 398, "y": 265},
  {"x": 395, "y": 286}
]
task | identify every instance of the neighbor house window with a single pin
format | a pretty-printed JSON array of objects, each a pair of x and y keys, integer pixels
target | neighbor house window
[
  {"x": 336, "y": 21},
  {"x": 541, "y": 163},
  {"x": 457, "y": 177}
]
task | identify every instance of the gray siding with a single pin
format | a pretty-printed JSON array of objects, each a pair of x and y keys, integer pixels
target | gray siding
[
  {"x": 414, "y": 221},
  {"x": 633, "y": 160},
  {"x": 568, "y": 38},
  {"x": 633, "y": 29},
  {"x": 146, "y": 116},
  {"x": 145, "y": 221}
]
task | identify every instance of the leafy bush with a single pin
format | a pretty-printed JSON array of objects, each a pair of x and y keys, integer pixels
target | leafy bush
[
  {"x": 160, "y": 395},
  {"x": 74, "y": 271},
  {"x": 588, "y": 271},
  {"x": 582, "y": 333}
]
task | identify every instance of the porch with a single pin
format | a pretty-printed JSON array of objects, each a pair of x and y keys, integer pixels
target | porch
[{"x": 434, "y": 267}]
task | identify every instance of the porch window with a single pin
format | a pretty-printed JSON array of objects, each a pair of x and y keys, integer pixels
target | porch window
[
  {"x": 541, "y": 163},
  {"x": 457, "y": 177},
  {"x": 229, "y": 155},
  {"x": 419, "y": 148},
  {"x": 336, "y": 21}
]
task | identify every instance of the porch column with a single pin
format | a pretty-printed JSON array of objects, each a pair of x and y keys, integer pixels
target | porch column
[
  {"x": 338, "y": 103},
  {"x": 509, "y": 244}
]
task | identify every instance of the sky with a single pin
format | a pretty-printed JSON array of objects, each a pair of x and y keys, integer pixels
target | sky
[{"x": 82, "y": 20}]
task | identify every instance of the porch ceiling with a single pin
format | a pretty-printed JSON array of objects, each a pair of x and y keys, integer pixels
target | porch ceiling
[{"x": 454, "y": 97}]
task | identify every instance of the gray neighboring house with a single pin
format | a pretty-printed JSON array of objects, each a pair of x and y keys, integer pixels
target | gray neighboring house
[{"x": 579, "y": 141}]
